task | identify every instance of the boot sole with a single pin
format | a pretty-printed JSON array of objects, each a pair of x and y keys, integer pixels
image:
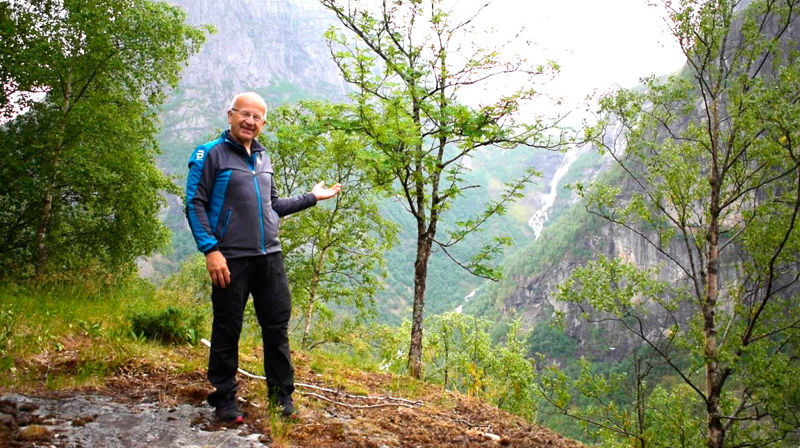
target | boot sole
[{"x": 235, "y": 421}]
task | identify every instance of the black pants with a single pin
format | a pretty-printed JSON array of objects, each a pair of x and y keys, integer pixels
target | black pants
[{"x": 265, "y": 278}]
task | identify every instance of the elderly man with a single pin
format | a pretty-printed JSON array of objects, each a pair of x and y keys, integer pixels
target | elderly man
[{"x": 233, "y": 209}]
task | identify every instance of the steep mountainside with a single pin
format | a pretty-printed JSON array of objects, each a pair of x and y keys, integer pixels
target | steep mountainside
[
  {"x": 274, "y": 48},
  {"x": 535, "y": 272},
  {"x": 278, "y": 50}
]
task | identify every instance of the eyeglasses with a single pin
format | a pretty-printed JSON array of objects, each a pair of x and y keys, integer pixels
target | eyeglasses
[{"x": 257, "y": 118}]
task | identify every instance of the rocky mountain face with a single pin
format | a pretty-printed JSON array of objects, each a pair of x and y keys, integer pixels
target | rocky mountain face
[
  {"x": 273, "y": 47},
  {"x": 533, "y": 296}
]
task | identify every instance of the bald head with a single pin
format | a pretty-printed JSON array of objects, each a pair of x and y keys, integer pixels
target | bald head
[
  {"x": 246, "y": 117},
  {"x": 252, "y": 96}
]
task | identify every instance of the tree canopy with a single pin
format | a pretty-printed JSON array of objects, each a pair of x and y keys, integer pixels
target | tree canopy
[
  {"x": 712, "y": 167},
  {"x": 81, "y": 82},
  {"x": 411, "y": 70}
]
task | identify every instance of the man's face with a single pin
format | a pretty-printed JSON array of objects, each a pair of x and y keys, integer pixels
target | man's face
[{"x": 244, "y": 127}]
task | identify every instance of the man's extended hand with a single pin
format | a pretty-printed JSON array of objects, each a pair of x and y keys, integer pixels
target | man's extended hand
[
  {"x": 321, "y": 192},
  {"x": 217, "y": 267}
]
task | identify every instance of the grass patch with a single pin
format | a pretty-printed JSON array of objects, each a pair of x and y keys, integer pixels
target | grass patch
[
  {"x": 71, "y": 335},
  {"x": 62, "y": 337},
  {"x": 405, "y": 386}
]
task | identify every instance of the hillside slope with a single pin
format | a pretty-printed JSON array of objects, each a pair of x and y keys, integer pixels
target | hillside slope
[{"x": 148, "y": 402}]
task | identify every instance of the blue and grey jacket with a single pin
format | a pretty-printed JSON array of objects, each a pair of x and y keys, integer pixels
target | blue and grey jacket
[{"x": 232, "y": 203}]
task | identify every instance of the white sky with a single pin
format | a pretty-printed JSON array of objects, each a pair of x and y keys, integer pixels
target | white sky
[{"x": 600, "y": 45}]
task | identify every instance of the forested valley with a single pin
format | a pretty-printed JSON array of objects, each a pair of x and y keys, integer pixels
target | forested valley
[{"x": 627, "y": 280}]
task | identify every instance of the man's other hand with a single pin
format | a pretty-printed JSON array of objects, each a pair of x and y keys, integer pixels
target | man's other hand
[
  {"x": 217, "y": 267},
  {"x": 320, "y": 192}
]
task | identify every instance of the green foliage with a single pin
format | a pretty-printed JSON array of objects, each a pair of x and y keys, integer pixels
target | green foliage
[
  {"x": 615, "y": 287},
  {"x": 711, "y": 184},
  {"x": 190, "y": 284},
  {"x": 82, "y": 192},
  {"x": 549, "y": 341},
  {"x": 334, "y": 251},
  {"x": 173, "y": 325},
  {"x": 6, "y": 334},
  {"x": 74, "y": 334},
  {"x": 461, "y": 356},
  {"x": 459, "y": 350},
  {"x": 407, "y": 71},
  {"x": 389, "y": 344},
  {"x": 672, "y": 414}
]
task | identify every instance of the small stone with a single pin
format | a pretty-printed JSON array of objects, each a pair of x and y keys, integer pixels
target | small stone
[
  {"x": 34, "y": 433},
  {"x": 7, "y": 427},
  {"x": 82, "y": 421},
  {"x": 28, "y": 407},
  {"x": 8, "y": 407},
  {"x": 7, "y": 421},
  {"x": 29, "y": 419}
]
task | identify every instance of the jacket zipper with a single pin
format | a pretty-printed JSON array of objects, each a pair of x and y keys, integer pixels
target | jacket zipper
[
  {"x": 224, "y": 224},
  {"x": 250, "y": 160},
  {"x": 258, "y": 197}
]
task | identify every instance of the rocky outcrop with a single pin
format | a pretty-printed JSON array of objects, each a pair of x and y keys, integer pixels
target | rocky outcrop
[{"x": 534, "y": 296}]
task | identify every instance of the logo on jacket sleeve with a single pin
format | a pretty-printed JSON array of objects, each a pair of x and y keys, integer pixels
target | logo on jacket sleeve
[{"x": 200, "y": 154}]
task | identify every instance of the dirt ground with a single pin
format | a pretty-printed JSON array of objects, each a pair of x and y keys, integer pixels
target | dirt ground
[{"x": 146, "y": 406}]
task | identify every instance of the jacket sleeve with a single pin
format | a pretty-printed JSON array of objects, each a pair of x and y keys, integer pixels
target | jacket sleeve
[
  {"x": 287, "y": 206},
  {"x": 198, "y": 190}
]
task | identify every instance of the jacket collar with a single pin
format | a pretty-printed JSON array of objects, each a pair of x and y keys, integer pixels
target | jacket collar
[{"x": 255, "y": 146}]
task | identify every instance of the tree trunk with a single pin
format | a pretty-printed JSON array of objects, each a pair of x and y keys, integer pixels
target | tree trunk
[
  {"x": 41, "y": 232},
  {"x": 420, "y": 278},
  {"x": 716, "y": 432},
  {"x": 312, "y": 294},
  {"x": 47, "y": 207},
  {"x": 308, "y": 314}
]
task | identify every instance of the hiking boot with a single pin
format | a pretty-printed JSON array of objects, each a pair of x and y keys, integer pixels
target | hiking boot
[
  {"x": 287, "y": 407},
  {"x": 226, "y": 408},
  {"x": 283, "y": 400}
]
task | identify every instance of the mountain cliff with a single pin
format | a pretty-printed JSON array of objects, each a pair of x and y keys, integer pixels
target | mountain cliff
[{"x": 274, "y": 48}]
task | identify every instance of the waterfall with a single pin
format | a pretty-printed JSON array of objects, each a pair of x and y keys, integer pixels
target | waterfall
[
  {"x": 460, "y": 308},
  {"x": 540, "y": 216}
]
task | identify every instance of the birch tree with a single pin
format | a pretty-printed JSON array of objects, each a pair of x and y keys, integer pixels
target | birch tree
[
  {"x": 712, "y": 169},
  {"x": 410, "y": 62},
  {"x": 80, "y": 185}
]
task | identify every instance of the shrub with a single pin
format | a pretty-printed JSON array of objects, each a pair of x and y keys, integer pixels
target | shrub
[{"x": 173, "y": 325}]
